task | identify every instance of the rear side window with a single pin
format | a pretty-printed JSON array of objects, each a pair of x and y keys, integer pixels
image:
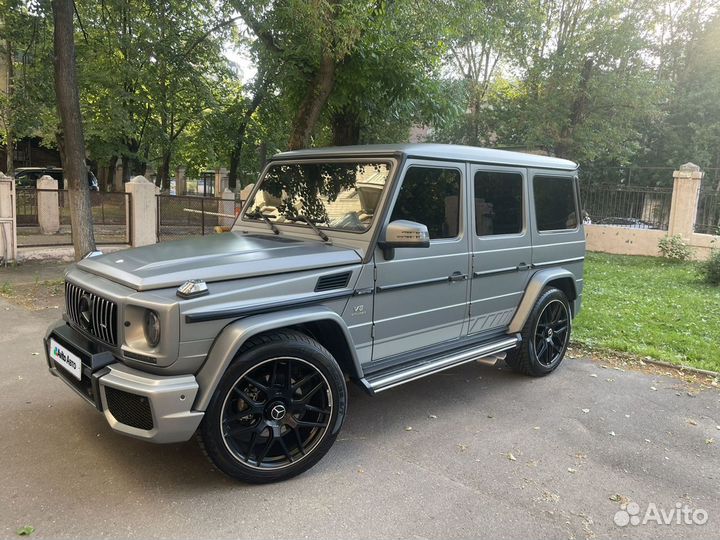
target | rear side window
[
  {"x": 555, "y": 207},
  {"x": 430, "y": 196},
  {"x": 498, "y": 203}
]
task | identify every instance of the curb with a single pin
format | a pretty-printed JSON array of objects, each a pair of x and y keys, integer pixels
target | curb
[{"x": 681, "y": 367}]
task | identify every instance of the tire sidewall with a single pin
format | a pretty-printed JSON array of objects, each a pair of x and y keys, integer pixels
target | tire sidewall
[{"x": 307, "y": 350}]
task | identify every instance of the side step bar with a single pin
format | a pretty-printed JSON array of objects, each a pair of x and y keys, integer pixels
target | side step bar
[{"x": 377, "y": 382}]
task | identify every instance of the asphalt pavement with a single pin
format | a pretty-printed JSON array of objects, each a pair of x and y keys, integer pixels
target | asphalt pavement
[{"x": 477, "y": 451}]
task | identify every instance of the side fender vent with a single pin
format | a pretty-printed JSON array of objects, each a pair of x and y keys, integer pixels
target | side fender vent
[{"x": 333, "y": 281}]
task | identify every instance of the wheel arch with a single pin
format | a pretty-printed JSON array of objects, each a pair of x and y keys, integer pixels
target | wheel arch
[
  {"x": 559, "y": 278},
  {"x": 321, "y": 323}
]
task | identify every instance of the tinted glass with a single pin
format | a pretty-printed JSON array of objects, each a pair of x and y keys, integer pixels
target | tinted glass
[
  {"x": 554, "y": 203},
  {"x": 430, "y": 196},
  {"x": 498, "y": 203},
  {"x": 337, "y": 195}
]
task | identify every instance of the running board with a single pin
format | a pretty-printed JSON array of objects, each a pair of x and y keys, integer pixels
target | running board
[{"x": 489, "y": 352}]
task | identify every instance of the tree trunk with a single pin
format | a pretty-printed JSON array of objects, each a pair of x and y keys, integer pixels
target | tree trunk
[
  {"x": 68, "y": 103},
  {"x": 165, "y": 171},
  {"x": 313, "y": 103},
  {"x": 234, "y": 165},
  {"x": 345, "y": 128},
  {"x": 9, "y": 135}
]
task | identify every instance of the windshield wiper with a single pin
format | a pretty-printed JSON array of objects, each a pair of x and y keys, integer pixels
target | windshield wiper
[
  {"x": 311, "y": 223},
  {"x": 259, "y": 215}
]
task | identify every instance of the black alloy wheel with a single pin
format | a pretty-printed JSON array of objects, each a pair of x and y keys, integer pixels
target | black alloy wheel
[
  {"x": 545, "y": 336},
  {"x": 277, "y": 410}
]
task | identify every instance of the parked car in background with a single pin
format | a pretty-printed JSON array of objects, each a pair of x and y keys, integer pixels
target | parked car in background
[
  {"x": 27, "y": 177},
  {"x": 375, "y": 264}
]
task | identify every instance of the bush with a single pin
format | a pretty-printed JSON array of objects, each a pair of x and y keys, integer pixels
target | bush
[
  {"x": 711, "y": 268},
  {"x": 675, "y": 248}
]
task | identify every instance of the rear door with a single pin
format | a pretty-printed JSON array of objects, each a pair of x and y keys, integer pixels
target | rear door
[
  {"x": 421, "y": 295},
  {"x": 501, "y": 245}
]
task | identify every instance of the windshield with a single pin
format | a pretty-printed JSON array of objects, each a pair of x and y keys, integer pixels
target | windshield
[{"x": 334, "y": 195}]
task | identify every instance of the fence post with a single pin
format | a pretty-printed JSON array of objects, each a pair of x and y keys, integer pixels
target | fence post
[
  {"x": 227, "y": 207},
  {"x": 48, "y": 206},
  {"x": 141, "y": 211},
  {"x": 8, "y": 223},
  {"x": 180, "y": 181},
  {"x": 683, "y": 208}
]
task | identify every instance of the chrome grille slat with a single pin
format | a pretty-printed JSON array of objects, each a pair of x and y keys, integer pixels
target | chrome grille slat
[{"x": 103, "y": 311}]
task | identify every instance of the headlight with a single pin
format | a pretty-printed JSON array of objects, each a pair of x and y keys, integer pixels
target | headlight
[{"x": 152, "y": 328}]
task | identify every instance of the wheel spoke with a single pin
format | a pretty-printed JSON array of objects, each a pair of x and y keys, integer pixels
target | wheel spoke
[
  {"x": 257, "y": 384},
  {"x": 270, "y": 442},
  {"x": 311, "y": 393},
  {"x": 540, "y": 352},
  {"x": 313, "y": 408},
  {"x": 284, "y": 447},
  {"x": 298, "y": 438},
  {"x": 303, "y": 423},
  {"x": 302, "y": 382}
]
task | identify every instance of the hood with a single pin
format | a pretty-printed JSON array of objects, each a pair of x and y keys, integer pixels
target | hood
[{"x": 217, "y": 257}]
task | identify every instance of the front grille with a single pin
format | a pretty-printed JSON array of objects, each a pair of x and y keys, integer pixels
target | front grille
[
  {"x": 129, "y": 409},
  {"x": 81, "y": 305}
]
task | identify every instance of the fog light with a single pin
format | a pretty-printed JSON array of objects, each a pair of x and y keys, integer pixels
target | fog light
[{"x": 152, "y": 328}]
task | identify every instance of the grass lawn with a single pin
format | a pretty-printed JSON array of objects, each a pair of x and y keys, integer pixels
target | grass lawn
[{"x": 650, "y": 307}]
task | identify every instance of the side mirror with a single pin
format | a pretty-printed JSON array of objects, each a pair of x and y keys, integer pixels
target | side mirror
[{"x": 403, "y": 234}]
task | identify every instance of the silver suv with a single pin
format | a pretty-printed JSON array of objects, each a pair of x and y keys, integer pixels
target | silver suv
[{"x": 373, "y": 264}]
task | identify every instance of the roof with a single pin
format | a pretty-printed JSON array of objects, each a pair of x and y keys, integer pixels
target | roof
[{"x": 450, "y": 152}]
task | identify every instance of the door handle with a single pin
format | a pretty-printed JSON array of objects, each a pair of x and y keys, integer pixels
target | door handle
[
  {"x": 457, "y": 276},
  {"x": 523, "y": 266}
]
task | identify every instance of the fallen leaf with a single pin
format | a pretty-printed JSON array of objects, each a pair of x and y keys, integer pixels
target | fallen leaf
[
  {"x": 462, "y": 447},
  {"x": 585, "y": 410},
  {"x": 511, "y": 457},
  {"x": 408, "y": 428},
  {"x": 612, "y": 433},
  {"x": 35, "y": 353},
  {"x": 27, "y": 530},
  {"x": 709, "y": 441},
  {"x": 653, "y": 388},
  {"x": 538, "y": 427},
  {"x": 571, "y": 470},
  {"x": 433, "y": 416},
  {"x": 593, "y": 375},
  {"x": 692, "y": 422}
]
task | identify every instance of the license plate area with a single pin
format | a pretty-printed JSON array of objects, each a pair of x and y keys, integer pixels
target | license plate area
[
  {"x": 93, "y": 362},
  {"x": 66, "y": 359}
]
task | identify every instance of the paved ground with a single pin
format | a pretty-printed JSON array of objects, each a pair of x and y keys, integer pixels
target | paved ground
[{"x": 431, "y": 459}]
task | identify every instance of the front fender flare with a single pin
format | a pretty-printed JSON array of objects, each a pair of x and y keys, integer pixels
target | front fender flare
[
  {"x": 537, "y": 283},
  {"x": 235, "y": 334}
]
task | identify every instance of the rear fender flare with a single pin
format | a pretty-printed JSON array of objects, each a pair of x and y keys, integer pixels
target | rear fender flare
[{"x": 532, "y": 292}]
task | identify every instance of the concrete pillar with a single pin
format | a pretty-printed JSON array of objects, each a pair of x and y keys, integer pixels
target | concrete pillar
[
  {"x": 227, "y": 208},
  {"x": 8, "y": 224},
  {"x": 118, "y": 176},
  {"x": 221, "y": 180},
  {"x": 683, "y": 208},
  {"x": 48, "y": 207},
  {"x": 141, "y": 212},
  {"x": 180, "y": 184}
]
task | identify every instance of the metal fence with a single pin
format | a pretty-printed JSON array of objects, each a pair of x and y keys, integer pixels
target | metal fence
[
  {"x": 707, "y": 219},
  {"x": 180, "y": 216},
  {"x": 634, "y": 207},
  {"x": 111, "y": 224}
]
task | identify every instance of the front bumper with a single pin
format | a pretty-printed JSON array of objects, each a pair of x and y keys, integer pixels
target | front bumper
[{"x": 152, "y": 407}]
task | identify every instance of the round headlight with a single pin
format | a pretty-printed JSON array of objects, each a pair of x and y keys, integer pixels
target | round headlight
[{"x": 152, "y": 328}]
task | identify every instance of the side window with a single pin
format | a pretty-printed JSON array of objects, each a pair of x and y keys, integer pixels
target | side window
[
  {"x": 555, "y": 207},
  {"x": 498, "y": 203},
  {"x": 430, "y": 196}
]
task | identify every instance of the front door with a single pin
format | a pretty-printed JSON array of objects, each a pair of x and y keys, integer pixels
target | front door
[
  {"x": 421, "y": 294},
  {"x": 501, "y": 245}
]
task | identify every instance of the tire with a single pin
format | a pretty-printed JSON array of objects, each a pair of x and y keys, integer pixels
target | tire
[
  {"x": 545, "y": 336},
  {"x": 277, "y": 410}
]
